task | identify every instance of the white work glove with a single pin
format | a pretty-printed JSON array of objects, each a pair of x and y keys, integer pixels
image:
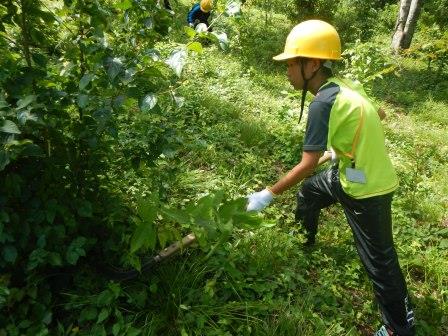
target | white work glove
[
  {"x": 259, "y": 200},
  {"x": 191, "y": 25}
]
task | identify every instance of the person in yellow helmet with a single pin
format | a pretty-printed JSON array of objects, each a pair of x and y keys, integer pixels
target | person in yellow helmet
[
  {"x": 344, "y": 123},
  {"x": 199, "y": 13}
]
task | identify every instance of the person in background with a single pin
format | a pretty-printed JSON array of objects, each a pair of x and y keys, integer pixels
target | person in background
[
  {"x": 199, "y": 13},
  {"x": 343, "y": 120}
]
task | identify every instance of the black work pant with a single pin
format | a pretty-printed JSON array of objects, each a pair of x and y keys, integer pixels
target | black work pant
[{"x": 371, "y": 224}]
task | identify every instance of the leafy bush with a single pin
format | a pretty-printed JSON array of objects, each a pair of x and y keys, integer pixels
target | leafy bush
[
  {"x": 367, "y": 61},
  {"x": 70, "y": 87}
]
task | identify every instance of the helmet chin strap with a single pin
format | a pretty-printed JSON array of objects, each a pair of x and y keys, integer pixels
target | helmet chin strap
[{"x": 305, "y": 86}]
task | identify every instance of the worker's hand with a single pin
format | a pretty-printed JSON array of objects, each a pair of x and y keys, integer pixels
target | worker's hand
[
  {"x": 259, "y": 200},
  {"x": 191, "y": 25}
]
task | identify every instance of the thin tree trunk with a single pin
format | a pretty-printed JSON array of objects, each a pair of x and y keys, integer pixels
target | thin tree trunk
[
  {"x": 411, "y": 23},
  {"x": 406, "y": 23},
  {"x": 25, "y": 32}
]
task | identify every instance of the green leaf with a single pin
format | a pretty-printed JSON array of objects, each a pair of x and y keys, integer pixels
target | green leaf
[
  {"x": 39, "y": 59},
  {"x": 24, "y": 115},
  {"x": 148, "y": 22},
  {"x": 24, "y": 102},
  {"x": 177, "y": 60},
  {"x": 36, "y": 258},
  {"x": 104, "y": 314},
  {"x": 10, "y": 253},
  {"x": 124, "y": 4},
  {"x": 3, "y": 102},
  {"x": 76, "y": 250},
  {"x": 179, "y": 101},
  {"x": 114, "y": 67},
  {"x": 83, "y": 100},
  {"x": 147, "y": 209},
  {"x": 55, "y": 259},
  {"x": 444, "y": 244},
  {"x": 4, "y": 159},
  {"x": 133, "y": 332},
  {"x": 116, "y": 328},
  {"x": 85, "y": 80},
  {"x": 32, "y": 150},
  {"x": 189, "y": 31},
  {"x": 148, "y": 102},
  {"x": 9, "y": 127},
  {"x": 85, "y": 209},
  {"x": 176, "y": 215},
  {"x": 144, "y": 236},
  {"x": 222, "y": 39},
  {"x": 105, "y": 298},
  {"x": 88, "y": 314},
  {"x": 195, "y": 46}
]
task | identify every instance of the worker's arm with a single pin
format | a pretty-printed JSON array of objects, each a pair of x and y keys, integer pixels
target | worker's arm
[
  {"x": 259, "y": 200},
  {"x": 305, "y": 168}
]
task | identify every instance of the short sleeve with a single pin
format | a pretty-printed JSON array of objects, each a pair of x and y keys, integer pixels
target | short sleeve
[
  {"x": 317, "y": 127},
  {"x": 316, "y": 133}
]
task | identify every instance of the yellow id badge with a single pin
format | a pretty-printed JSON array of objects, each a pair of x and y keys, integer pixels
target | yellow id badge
[{"x": 355, "y": 175}]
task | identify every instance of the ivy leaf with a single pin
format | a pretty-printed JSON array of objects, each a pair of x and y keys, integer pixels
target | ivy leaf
[
  {"x": 148, "y": 102},
  {"x": 9, "y": 127},
  {"x": 195, "y": 46},
  {"x": 24, "y": 102},
  {"x": 177, "y": 60}
]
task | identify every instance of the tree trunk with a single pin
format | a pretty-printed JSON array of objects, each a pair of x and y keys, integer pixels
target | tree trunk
[
  {"x": 411, "y": 23},
  {"x": 406, "y": 23}
]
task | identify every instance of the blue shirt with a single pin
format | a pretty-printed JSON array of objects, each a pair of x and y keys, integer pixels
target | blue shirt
[{"x": 196, "y": 13}]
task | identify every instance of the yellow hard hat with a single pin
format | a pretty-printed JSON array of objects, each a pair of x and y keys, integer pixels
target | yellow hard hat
[
  {"x": 312, "y": 39},
  {"x": 206, "y": 5}
]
